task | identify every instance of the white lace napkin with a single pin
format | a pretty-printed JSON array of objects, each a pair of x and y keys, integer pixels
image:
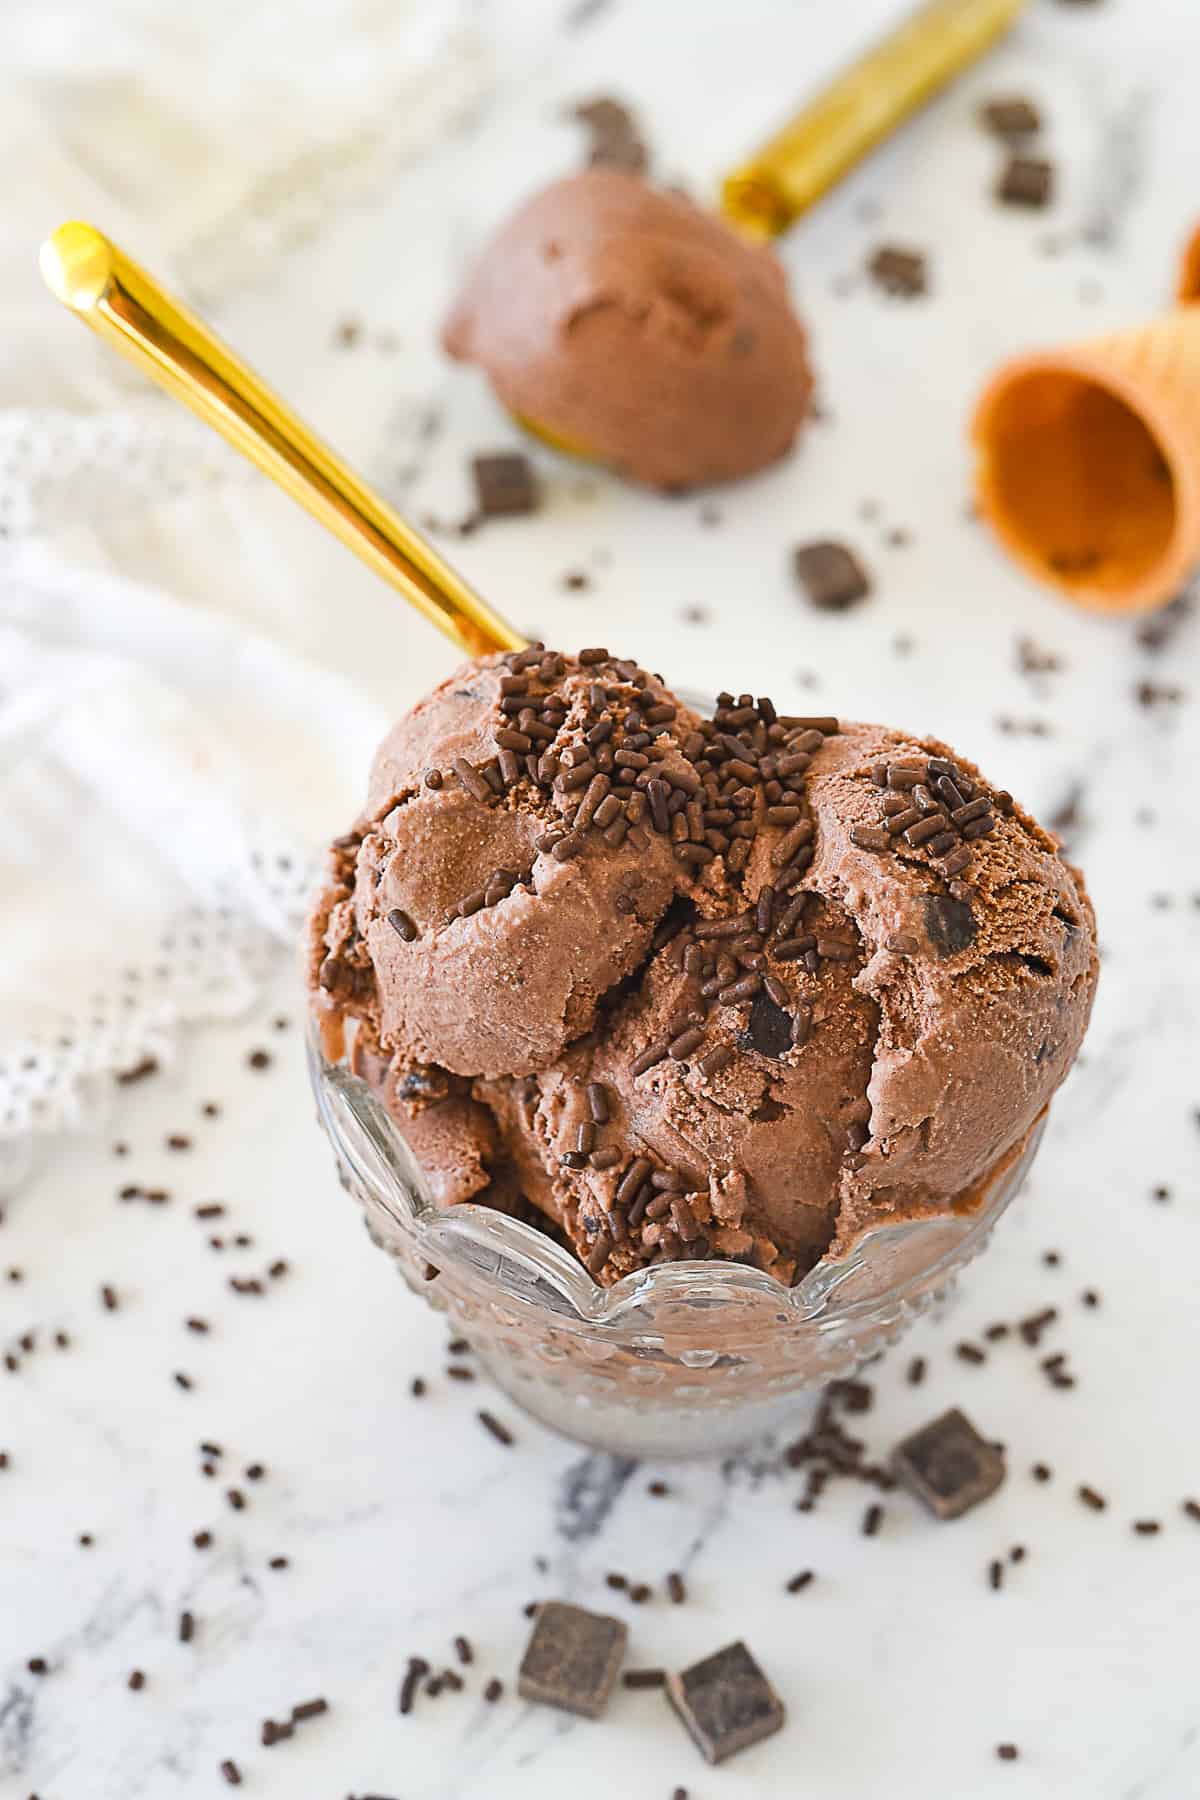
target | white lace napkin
[
  {"x": 166, "y": 775},
  {"x": 165, "y": 781}
]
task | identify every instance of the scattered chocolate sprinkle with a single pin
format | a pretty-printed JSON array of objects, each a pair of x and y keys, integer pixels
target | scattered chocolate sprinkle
[
  {"x": 996, "y": 1574},
  {"x": 1041, "y": 1471},
  {"x": 872, "y": 1520},
  {"x": 136, "y": 1680},
  {"x": 498, "y": 1430},
  {"x": 417, "y": 1669},
  {"x": 37, "y": 1665},
  {"x": 147, "y": 1065},
  {"x": 676, "y": 1590},
  {"x": 1091, "y": 1498},
  {"x": 800, "y": 1581},
  {"x": 278, "y": 1562},
  {"x": 1147, "y": 1527},
  {"x": 916, "y": 1371},
  {"x": 493, "y": 1691},
  {"x": 644, "y": 1678},
  {"x": 463, "y": 1650},
  {"x": 259, "y": 1059},
  {"x": 187, "y": 1627},
  {"x": 202, "y": 1539},
  {"x": 1007, "y": 1752},
  {"x": 231, "y": 1772},
  {"x": 309, "y": 1709},
  {"x": 969, "y": 1353}
]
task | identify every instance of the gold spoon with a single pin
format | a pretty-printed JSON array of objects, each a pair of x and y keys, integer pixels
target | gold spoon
[{"x": 126, "y": 306}]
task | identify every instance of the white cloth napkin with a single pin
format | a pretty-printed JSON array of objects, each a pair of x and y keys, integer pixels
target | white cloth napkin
[
  {"x": 167, "y": 773},
  {"x": 165, "y": 779}
]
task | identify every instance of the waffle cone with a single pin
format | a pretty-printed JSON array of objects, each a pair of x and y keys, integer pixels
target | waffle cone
[
  {"x": 1188, "y": 288},
  {"x": 1088, "y": 463}
]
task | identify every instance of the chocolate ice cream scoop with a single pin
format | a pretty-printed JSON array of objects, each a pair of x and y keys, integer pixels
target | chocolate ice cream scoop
[
  {"x": 629, "y": 326},
  {"x": 744, "y": 986}
]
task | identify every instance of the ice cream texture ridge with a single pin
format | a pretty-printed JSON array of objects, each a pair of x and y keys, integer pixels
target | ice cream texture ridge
[{"x": 684, "y": 987}]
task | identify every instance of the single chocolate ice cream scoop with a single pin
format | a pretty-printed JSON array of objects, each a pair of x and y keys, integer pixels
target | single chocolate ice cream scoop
[
  {"x": 681, "y": 987},
  {"x": 629, "y": 326}
]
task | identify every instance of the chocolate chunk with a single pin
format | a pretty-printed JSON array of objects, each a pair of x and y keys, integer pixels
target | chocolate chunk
[
  {"x": 726, "y": 1702},
  {"x": 1026, "y": 181},
  {"x": 900, "y": 272},
  {"x": 505, "y": 484},
  {"x": 770, "y": 1030},
  {"x": 948, "y": 1465},
  {"x": 572, "y": 1659},
  {"x": 950, "y": 923},
  {"x": 615, "y": 140},
  {"x": 831, "y": 575},
  {"x": 1010, "y": 116}
]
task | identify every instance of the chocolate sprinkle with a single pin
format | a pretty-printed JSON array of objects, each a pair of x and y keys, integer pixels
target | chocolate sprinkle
[{"x": 498, "y": 1430}]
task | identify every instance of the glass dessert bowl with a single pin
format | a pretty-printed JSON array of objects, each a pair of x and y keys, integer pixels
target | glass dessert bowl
[{"x": 675, "y": 1360}]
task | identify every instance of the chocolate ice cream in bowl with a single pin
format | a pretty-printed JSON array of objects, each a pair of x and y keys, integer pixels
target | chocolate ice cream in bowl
[{"x": 680, "y": 1055}]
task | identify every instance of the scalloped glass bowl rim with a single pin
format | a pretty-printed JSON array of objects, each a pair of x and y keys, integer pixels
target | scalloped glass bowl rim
[{"x": 520, "y": 1255}]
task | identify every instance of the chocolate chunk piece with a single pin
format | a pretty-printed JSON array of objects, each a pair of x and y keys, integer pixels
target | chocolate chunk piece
[
  {"x": 726, "y": 1702},
  {"x": 505, "y": 485},
  {"x": 948, "y": 1465},
  {"x": 615, "y": 140},
  {"x": 1010, "y": 116},
  {"x": 770, "y": 1030},
  {"x": 950, "y": 923},
  {"x": 1026, "y": 181},
  {"x": 831, "y": 575},
  {"x": 572, "y": 1659},
  {"x": 898, "y": 271}
]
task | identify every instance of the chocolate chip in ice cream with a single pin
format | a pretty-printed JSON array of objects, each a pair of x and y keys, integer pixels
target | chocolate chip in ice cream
[
  {"x": 770, "y": 1030},
  {"x": 831, "y": 575},
  {"x": 951, "y": 924},
  {"x": 948, "y": 1465},
  {"x": 726, "y": 1702},
  {"x": 572, "y": 1658}
]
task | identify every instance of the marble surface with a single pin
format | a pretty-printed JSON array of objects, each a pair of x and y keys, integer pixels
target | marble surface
[{"x": 402, "y": 1521}]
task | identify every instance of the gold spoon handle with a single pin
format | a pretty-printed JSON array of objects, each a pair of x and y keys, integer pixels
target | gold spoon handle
[
  {"x": 858, "y": 109},
  {"x": 127, "y": 308}
]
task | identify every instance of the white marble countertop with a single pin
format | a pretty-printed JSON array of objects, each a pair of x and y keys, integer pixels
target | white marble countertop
[{"x": 402, "y": 1522}]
